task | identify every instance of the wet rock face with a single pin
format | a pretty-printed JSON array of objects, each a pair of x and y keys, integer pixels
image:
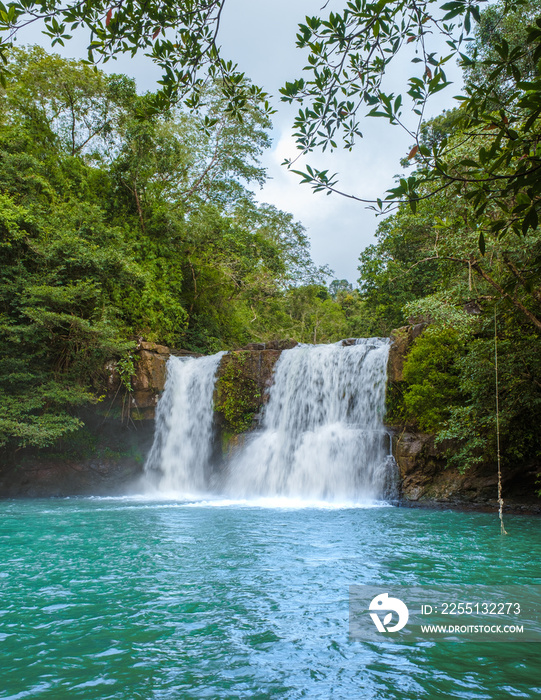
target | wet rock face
[
  {"x": 421, "y": 467},
  {"x": 249, "y": 371},
  {"x": 149, "y": 379},
  {"x": 150, "y": 371},
  {"x": 148, "y": 382},
  {"x": 150, "y": 360},
  {"x": 425, "y": 479}
]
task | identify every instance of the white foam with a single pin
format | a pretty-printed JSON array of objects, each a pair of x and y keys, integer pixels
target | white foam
[
  {"x": 272, "y": 503},
  {"x": 180, "y": 456},
  {"x": 322, "y": 436}
]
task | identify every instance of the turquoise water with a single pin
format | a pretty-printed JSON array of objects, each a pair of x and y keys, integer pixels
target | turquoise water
[{"x": 113, "y": 598}]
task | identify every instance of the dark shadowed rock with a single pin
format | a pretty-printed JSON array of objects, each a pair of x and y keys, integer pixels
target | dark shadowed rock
[
  {"x": 281, "y": 344},
  {"x": 254, "y": 346},
  {"x": 106, "y": 457},
  {"x": 473, "y": 308},
  {"x": 425, "y": 479}
]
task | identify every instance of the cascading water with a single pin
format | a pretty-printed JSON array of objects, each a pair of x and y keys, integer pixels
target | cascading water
[
  {"x": 322, "y": 435},
  {"x": 179, "y": 460}
]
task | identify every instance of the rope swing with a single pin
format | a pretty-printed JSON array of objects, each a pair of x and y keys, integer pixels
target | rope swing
[{"x": 500, "y": 499}]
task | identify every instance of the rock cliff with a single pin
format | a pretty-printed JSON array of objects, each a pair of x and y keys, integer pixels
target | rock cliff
[
  {"x": 108, "y": 455},
  {"x": 139, "y": 400},
  {"x": 425, "y": 479},
  {"x": 242, "y": 386}
]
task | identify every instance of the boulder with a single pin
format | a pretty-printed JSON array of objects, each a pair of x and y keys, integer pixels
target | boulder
[
  {"x": 147, "y": 383},
  {"x": 150, "y": 371},
  {"x": 153, "y": 347}
]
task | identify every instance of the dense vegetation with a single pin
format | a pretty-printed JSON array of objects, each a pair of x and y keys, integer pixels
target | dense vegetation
[
  {"x": 431, "y": 266},
  {"x": 123, "y": 216},
  {"x": 114, "y": 227}
]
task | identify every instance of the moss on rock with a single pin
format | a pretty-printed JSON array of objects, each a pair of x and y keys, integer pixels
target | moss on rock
[
  {"x": 241, "y": 388},
  {"x": 237, "y": 392}
]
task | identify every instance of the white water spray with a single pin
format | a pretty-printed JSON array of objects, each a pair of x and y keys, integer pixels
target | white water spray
[
  {"x": 322, "y": 435},
  {"x": 180, "y": 458}
]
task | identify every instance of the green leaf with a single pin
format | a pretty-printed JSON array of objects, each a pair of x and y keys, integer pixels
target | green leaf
[{"x": 481, "y": 243}]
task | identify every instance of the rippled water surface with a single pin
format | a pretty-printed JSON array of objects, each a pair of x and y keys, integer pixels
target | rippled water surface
[{"x": 112, "y": 598}]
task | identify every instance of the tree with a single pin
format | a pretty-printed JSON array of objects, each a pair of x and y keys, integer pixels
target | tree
[
  {"x": 114, "y": 227},
  {"x": 349, "y": 53},
  {"x": 395, "y": 270},
  {"x": 337, "y": 286},
  {"x": 61, "y": 261},
  {"x": 75, "y": 107},
  {"x": 180, "y": 37}
]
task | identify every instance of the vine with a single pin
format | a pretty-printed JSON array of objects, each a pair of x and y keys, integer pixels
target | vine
[{"x": 126, "y": 371}]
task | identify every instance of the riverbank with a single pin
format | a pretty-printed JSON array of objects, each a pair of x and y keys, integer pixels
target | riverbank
[{"x": 107, "y": 457}]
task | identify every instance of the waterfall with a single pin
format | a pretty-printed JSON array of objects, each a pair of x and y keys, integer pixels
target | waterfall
[
  {"x": 179, "y": 460},
  {"x": 322, "y": 434}
]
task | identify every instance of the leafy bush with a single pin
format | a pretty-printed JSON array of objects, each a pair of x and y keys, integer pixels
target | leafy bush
[{"x": 433, "y": 375}]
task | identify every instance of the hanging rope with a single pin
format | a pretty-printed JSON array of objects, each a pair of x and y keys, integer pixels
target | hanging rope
[{"x": 500, "y": 499}]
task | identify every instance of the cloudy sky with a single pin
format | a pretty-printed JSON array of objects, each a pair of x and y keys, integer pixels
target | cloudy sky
[{"x": 260, "y": 36}]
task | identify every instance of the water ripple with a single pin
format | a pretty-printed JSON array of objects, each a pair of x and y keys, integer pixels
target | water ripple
[{"x": 130, "y": 598}]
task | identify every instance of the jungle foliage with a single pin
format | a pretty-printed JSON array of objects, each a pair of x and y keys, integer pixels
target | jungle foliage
[
  {"x": 114, "y": 228},
  {"x": 124, "y": 215},
  {"x": 476, "y": 284},
  {"x": 350, "y": 49}
]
